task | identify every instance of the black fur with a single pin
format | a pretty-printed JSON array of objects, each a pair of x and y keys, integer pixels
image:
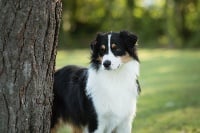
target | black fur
[{"x": 70, "y": 100}]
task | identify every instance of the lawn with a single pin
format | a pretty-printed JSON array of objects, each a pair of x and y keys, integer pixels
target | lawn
[{"x": 170, "y": 82}]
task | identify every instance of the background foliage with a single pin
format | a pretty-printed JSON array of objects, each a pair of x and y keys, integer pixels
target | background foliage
[{"x": 158, "y": 23}]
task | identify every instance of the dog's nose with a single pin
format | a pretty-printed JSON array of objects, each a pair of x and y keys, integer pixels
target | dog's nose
[{"x": 106, "y": 63}]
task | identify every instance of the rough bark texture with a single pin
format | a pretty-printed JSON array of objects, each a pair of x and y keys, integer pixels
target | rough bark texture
[{"x": 28, "y": 40}]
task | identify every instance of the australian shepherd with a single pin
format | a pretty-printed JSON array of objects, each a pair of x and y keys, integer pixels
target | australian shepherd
[{"x": 101, "y": 98}]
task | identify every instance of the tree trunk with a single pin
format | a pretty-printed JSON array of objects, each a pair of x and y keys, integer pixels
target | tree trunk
[{"x": 28, "y": 39}]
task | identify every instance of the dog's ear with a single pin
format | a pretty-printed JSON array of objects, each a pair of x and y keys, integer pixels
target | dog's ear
[
  {"x": 130, "y": 39},
  {"x": 94, "y": 42}
]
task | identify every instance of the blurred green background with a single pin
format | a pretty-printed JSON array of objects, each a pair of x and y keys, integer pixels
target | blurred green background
[
  {"x": 169, "y": 42},
  {"x": 158, "y": 23}
]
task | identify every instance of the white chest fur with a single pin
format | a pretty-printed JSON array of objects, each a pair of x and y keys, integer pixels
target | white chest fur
[{"x": 114, "y": 93}]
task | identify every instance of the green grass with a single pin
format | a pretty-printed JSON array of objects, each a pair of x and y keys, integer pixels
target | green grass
[{"x": 170, "y": 82}]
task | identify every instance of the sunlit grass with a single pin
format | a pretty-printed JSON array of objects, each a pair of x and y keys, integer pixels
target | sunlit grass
[
  {"x": 170, "y": 101},
  {"x": 170, "y": 82}
]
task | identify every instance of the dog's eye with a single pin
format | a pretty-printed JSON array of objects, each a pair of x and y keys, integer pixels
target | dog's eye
[
  {"x": 102, "y": 49},
  {"x": 116, "y": 49}
]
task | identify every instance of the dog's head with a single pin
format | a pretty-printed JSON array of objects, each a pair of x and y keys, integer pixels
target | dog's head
[{"x": 111, "y": 50}]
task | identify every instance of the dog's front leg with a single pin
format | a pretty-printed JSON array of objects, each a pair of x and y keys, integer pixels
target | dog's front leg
[
  {"x": 101, "y": 127},
  {"x": 124, "y": 127}
]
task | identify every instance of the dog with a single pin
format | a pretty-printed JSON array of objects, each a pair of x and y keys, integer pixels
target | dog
[{"x": 101, "y": 98}]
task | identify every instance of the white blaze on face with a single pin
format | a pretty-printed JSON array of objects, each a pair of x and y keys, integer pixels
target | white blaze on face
[{"x": 115, "y": 61}]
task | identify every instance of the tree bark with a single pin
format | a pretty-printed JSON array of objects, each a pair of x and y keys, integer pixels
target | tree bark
[{"x": 28, "y": 39}]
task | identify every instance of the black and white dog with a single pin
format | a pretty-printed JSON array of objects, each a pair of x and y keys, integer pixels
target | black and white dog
[{"x": 101, "y": 98}]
